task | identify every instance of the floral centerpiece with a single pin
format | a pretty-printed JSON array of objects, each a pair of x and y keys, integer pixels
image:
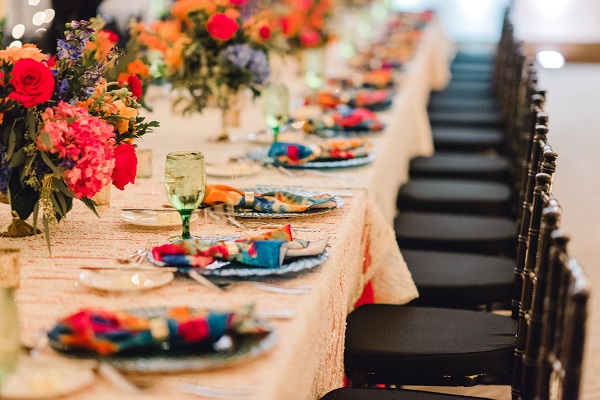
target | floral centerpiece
[
  {"x": 210, "y": 51},
  {"x": 65, "y": 131},
  {"x": 304, "y": 23}
]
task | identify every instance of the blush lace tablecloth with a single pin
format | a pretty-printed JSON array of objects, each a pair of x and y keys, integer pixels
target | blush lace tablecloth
[{"x": 307, "y": 360}]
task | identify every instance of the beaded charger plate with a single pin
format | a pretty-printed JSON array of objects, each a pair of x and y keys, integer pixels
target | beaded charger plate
[
  {"x": 228, "y": 351},
  {"x": 242, "y": 213},
  {"x": 230, "y": 271},
  {"x": 262, "y": 155}
]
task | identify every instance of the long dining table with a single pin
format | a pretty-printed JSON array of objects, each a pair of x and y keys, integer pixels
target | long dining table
[{"x": 306, "y": 360}]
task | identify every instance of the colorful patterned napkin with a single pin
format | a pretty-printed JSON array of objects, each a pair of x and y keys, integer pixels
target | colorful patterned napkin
[
  {"x": 267, "y": 250},
  {"x": 378, "y": 78},
  {"x": 270, "y": 202},
  {"x": 374, "y": 100},
  {"x": 111, "y": 332},
  {"x": 356, "y": 119},
  {"x": 332, "y": 149}
]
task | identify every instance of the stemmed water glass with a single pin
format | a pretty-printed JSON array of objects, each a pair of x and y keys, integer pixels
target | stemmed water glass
[
  {"x": 275, "y": 107},
  {"x": 185, "y": 183}
]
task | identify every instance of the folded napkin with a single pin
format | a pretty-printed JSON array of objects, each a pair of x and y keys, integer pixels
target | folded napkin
[
  {"x": 267, "y": 250},
  {"x": 277, "y": 201},
  {"x": 332, "y": 149},
  {"x": 373, "y": 100},
  {"x": 111, "y": 332},
  {"x": 378, "y": 78},
  {"x": 356, "y": 119}
]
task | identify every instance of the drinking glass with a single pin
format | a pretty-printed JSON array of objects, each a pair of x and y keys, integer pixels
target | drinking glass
[
  {"x": 9, "y": 325},
  {"x": 185, "y": 183},
  {"x": 313, "y": 64},
  {"x": 275, "y": 107}
]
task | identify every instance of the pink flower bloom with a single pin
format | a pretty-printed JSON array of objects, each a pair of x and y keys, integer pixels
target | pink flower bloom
[{"x": 84, "y": 143}]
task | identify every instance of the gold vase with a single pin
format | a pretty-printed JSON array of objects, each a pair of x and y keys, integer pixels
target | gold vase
[
  {"x": 230, "y": 107},
  {"x": 18, "y": 228}
]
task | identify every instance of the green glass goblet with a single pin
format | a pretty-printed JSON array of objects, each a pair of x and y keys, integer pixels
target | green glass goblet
[
  {"x": 275, "y": 107},
  {"x": 185, "y": 183}
]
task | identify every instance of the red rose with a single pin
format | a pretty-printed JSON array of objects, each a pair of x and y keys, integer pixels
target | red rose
[
  {"x": 221, "y": 26},
  {"x": 309, "y": 38},
  {"x": 135, "y": 86},
  {"x": 238, "y": 2},
  {"x": 264, "y": 32},
  {"x": 113, "y": 37},
  {"x": 33, "y": 82},
  {"x": 125, "y": 166},
  {"x": 51, "y": 61}
]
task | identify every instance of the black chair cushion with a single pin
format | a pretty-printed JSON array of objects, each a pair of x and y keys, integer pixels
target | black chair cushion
[
  {"x": 461, "y": 165},
  {"x": 456, "y": 232},
  {"x": 465, "y": 86},
  {"x": 455, "y": 196},
  {"x": 424, "y": 341},
  {"x": 468, "y": 117},
  {"x": 464, "y": 67},
  {"x": 454, "y": 138},
  {"x": 470, "y": 57},
  {"x": 485, "y": 76},
  {"x": 390, "y": 394},
  {"x": 446, "y": 279},
  {"x": 462, "y": 104}
]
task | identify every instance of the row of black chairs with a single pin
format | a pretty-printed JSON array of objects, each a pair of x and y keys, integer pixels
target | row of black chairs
[{"x": 478, "y": 228}]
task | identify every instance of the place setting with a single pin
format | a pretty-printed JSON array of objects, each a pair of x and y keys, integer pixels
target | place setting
[{"x": 221, "y": 262}]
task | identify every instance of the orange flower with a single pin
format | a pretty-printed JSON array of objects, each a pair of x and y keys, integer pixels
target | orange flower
[
  {"x": 174, "y": 55},
  {"x": 122, "y": 110},
  {"x": 232, "y": 13},
  {"x": 13, "y": 54},
  {"x": 138, "y": 67},
  {"x": 103, "y": 45},
  {"x": 167, "y": 30},
  {"x": 182, "y": 8}
]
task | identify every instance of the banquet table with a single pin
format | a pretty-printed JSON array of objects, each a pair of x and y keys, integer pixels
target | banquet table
[{"x": 307, "y": 359}]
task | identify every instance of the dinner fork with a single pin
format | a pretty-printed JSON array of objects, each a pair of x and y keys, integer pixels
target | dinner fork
[
  {"x": 269, "y": 287},
  {"x": 333, "y": 175}
]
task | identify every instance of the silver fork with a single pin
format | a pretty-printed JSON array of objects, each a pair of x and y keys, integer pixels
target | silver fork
[
  {"x": 269, "y": 287},
  {"x": 144, "y": 253},
  {"x": 333, "y": 175}
]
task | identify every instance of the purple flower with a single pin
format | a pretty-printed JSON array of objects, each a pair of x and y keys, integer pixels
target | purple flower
[
  {"x": 63, "y": 88},
  {"x": 3, "y": 171},
  {"x": 245, "y": 57},
  {"x": 76, "y": 36},
  {"x": 67, "y": 163},
  {"x": 68, "y": 51}
]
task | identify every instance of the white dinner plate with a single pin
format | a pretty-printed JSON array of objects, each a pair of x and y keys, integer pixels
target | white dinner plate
[
  {"x": 266, "y": 138},
  {"x": 154, "y": 219},
  {"x": 232, "y": 170},
  {"x": 123, "y": 280},
  {"x": 44, "y": 378}
]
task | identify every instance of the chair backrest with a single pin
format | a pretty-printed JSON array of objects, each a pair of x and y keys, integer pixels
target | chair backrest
[
  {"x": 534, "y": 282},
  {"x": 542, "y": 159},
  {"x": 556, "y": 373}
]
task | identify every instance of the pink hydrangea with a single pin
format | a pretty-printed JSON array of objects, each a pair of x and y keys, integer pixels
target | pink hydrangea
[{"x": 84, "y": 143}]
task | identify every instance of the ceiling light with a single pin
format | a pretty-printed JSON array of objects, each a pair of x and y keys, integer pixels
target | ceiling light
[{"x": 550, "y": 59}]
